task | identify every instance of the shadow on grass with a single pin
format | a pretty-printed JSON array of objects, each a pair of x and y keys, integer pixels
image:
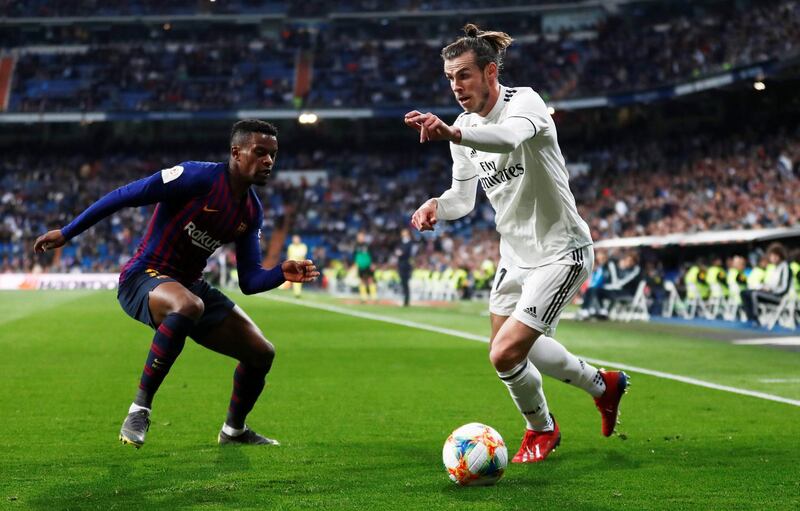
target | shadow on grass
[{"x": 173, "y": 479}]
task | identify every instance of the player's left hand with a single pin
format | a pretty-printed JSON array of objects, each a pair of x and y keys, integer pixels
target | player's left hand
[
  {"x": 424, "y": 218},
  {"x": 49, "y": 241},
  {"x": 431, "y": 128},
  {"x": 299, "y": 271}
]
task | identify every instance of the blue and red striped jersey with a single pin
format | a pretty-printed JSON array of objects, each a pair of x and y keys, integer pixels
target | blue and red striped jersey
[{"x": 196, "y": 213}]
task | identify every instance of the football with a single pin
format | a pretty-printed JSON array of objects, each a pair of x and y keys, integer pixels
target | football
[{"x": 475, "y": 455}]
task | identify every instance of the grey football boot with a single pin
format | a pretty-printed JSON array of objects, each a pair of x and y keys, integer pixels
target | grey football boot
[
  {"x": 134, "y": 428},
  {"x": 248, "y": 437}
]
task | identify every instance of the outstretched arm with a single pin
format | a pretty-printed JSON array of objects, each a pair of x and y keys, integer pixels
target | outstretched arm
[
  {"x": 527, "y": 115},
  {"x": 253, "y": 278},
  {"x": 501, "y": 138},
  {"x": 156, "y": 188},
  {"x": 497, "y": 138}
]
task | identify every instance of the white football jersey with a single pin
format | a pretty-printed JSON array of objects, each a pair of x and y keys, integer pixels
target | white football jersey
[{"x": 535, "y": 210}]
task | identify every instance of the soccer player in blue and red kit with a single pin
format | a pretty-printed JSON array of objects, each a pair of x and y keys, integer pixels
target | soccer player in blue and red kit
[{"x": 200, "y": 207}]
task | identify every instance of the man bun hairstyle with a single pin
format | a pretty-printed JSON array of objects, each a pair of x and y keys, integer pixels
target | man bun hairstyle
[
  {"x": 489, "y": 46},
  {"x": 242, "y": 130}
]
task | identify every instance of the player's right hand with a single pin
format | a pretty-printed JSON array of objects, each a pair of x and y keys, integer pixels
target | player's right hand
[
  {"x": 424, "y": 218},
  {"x": 415, "y": 125},
  {"x": 51, "y": 240},
  {"x": 299, "y": 271}
]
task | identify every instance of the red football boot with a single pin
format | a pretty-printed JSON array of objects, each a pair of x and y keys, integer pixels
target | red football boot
[
  {"x": 608, "y": 403},
  {"x": 537, "y": 445}
]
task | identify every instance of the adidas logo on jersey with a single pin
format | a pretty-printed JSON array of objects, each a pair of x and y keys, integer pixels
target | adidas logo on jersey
[
  {"x": 531, "y": 311},
  {"x": 473, "y": 153},
  {"x": 509, "y": 94}
]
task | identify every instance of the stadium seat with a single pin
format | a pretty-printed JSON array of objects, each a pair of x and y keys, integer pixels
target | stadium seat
[
  {"x": 631, "y": 308},
  {"x": 695, "y": 305},
  {"x": 783, "y": 314}
]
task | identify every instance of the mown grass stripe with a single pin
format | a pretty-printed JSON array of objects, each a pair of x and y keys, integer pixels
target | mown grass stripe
[{"x": 480, "y": 338}]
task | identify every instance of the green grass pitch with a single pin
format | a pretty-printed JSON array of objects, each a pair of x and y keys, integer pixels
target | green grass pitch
[{"x": 363, "y": 407}]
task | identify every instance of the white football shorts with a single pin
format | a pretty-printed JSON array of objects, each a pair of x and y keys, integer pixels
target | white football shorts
[{"x": 537, "y": 296}]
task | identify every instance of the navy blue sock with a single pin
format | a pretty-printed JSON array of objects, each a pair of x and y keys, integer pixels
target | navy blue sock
[
  {"x": 248, "y": 382},
  {"x": 167, "y": 345}
]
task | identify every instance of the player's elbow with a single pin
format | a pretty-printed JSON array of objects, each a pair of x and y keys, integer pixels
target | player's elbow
[
  {"x": 247, "y": 288},
  {"x": 463, "y": 209},
  {"x": 463, "y": 213},
  {"x": 467, "y": 205}
]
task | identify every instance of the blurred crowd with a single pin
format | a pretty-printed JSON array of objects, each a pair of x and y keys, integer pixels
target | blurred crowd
[
  {"x": 728, "y": 184},
  {"x": 632, "y": 51},
  {"x": 691, "y": 184},
  {"x": 50, "y": 8},
  {"x": 728, "y": 285},
  {"x": 377, "y": 61},
  {"x": 156, "y": 76},
  {"x": 60, "y": 8}
]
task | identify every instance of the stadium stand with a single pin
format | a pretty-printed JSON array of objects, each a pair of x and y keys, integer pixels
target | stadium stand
[
  {"x": 45, "y": 8},
  {"x": 378, "y": 191},
  {"x": 213, "y": 60},
  {"x": 358, "y": 62},
  {"x": 636, "y": 49}
]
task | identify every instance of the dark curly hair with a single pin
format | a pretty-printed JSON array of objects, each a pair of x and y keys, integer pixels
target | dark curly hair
[{"x": 246, "y": 127}]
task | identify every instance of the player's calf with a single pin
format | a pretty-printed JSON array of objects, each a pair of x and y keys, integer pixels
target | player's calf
[
  {"x": 248, "y": 383},
  {"x": 168, "y": 342}
]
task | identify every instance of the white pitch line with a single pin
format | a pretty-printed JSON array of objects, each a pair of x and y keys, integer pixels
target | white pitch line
[
  {"x": 775, "y": 341},
  {"x": 480, "y": 338}
]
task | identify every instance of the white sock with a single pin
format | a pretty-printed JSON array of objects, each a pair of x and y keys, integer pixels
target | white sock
[
  {"x": 135, "y": 408},
  {"x": 524, "y": 382},
  {"x": 553, "y": 359},
  {"x": 232, "y": 431}
]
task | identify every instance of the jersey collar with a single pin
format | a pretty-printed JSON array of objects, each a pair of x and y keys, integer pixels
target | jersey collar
[{"x": 499, "y": 104}]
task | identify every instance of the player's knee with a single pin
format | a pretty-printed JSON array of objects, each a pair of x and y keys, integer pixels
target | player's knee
[
  {"x": 191, "y": 306},
  {"x": 264, "y": 355},
  {"x": 503, "y": 355}
]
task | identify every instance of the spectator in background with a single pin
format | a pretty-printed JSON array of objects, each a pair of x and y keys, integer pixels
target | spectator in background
[
  {"x": 654, "y": 277},
  {"x": 716, "y": 277},
  {"x": 736, "y": 278},
  {"x": 624, "y": 282},
  {"x": 696, "y": 280},
  {"x": 297, "y": 251},
  {"x": 600, "y": 275},
  {"x": 362, "y": 258},
  {"x": 759, "y": 273},
  {"x": 774, "y": 287},
  {"x": 794, "y": 265},
  {"x": 405, "y": 254}
]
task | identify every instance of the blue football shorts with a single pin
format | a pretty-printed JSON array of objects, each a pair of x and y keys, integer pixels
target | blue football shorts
[{"x": 133, "y": 296}]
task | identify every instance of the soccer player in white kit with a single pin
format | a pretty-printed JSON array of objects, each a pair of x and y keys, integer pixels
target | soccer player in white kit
[{"x": 506, "y": 140}]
